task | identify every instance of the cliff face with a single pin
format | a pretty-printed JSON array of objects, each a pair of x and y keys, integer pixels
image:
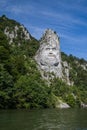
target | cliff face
[
  {"x": 15, "y": 32},
  {"x": 66, "y": 72},
  {"x": 18, "y": 70},
  {"x": 48, "y": 56}
]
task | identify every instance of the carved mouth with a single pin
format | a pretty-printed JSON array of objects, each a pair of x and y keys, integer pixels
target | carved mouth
[
  {"x": 43, "y": 64},
  {"x": 51, "y": 55}
]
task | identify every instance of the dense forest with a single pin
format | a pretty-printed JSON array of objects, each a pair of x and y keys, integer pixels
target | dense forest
[{"x": 21, "y": 85}]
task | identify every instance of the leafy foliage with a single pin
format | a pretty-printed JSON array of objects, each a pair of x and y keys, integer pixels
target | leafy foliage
[
  {"x": 21, "y": 85},
  {"x": 78, "y": 74}
]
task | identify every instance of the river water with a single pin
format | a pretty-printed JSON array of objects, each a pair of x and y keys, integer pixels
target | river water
[{"x": 46, "y": 119}]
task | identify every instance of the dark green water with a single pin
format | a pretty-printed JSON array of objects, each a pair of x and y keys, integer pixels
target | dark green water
[{"x": 48, "y": 119}]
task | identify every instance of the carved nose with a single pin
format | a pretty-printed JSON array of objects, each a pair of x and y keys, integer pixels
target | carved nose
[{"x": 50, "y": 53}]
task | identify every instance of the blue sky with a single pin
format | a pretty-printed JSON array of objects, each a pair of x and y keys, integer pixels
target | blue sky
[{"x": 67, "y": 17}]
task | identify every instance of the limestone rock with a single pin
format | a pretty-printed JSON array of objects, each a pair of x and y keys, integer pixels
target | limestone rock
[
  {"x": 48, "y": 57},
  {"x": 15, "y": 32},
  {"x": 66, "y": 69},
  {"x": 61, "y": 104},
  {"x": 83, "y": 105}
]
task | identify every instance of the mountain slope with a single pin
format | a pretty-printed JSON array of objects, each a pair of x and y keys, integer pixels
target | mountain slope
[{"x": 21, "y": 84}]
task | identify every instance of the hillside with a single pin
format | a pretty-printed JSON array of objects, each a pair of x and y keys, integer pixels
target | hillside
[{"x": 21, "y": 84}]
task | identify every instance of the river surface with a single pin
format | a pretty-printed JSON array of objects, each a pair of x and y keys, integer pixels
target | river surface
[{"x": 46, "y": 119}]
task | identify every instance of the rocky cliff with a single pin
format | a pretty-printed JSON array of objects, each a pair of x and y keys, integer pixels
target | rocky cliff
[
  {"x": 21, "y": 84},
  {"x": 48, "y": 57},
  {"x": 15, "y": 32}
]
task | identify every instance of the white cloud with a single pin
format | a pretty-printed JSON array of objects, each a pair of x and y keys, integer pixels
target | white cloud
[
  {"x": 74, "y": 40},
  {"x": 3, "y": 4},
  {"x": 19, "y": 9},
  {"x": 67, "y": 19}
]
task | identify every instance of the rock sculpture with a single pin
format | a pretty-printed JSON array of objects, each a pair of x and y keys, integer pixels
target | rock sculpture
[{"x": 48, "y": 57}]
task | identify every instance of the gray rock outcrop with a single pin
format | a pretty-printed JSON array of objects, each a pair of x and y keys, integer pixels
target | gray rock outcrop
[
  {"x": 61, "y": 104},
  {"x": 66, "y": 69},
  {"x": 15, "y": 32},
  {"x": 48, "y": 57}
]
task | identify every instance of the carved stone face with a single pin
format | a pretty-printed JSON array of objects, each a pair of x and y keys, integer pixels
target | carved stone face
[{"x": 49, "y": 55}]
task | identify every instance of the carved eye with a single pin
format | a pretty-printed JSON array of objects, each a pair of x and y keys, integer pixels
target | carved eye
[
  {"x": 56, "y": 64},
  {"x": 47, "y": 48},
  {"x": 54, "y": 48}
]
